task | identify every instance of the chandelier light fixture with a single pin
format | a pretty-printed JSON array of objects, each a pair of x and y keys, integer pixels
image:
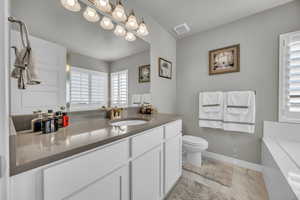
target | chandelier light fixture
[
  {"x": 103, "y": 5},
  {"x": 120, "y": 31},
  {"x": 90, "y": 14},
  {"x": 72, "y": 5},
  {"x": 106, "y": 23},
  {"x": 119, "y": 13},
  {"x": 142, "y": 30},
  {"x": 132, "y": 23},
  {"x": 130, "y": 37},
  {"x": 113, "y": 17}
]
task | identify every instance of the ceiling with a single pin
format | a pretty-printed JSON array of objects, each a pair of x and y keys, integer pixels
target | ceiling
[
  {"x": 202, "y": 15},
  {"x": 48, "y": 20}
]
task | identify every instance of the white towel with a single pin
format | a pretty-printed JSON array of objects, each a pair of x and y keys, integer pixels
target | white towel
[
  {"x": 136, "y": 100},
  {"x": 211, "y": 124},
  {"x": 146, "y": 99},
  {"x": 211, "y": 101},
  {"x": 211, "y": 109},
  {"x": 239, "y": 111},
  {"x": 238, "y": 102}
]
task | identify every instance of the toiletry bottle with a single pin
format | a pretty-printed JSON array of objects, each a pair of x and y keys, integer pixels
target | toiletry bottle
[
  {"x": 52, "y": 120},
  {"x": 65, "y": 119},
  {"x": 36, "y": 124},
  {"x": 60, "y": 119},
  {"x": 46, "y": 125},
  {"x": 56, "y": 124}
]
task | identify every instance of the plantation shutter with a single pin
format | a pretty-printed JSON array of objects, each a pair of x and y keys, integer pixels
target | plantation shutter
[
  {"x": 119, "y": 88},
  {"x": 114, "y": 89},
  {"x": 79, "y": 87},
  {"x": 290, "y": 77},
  {"x": 293, "y": 63},
  {"x": 88, "y": 89},
  {"x": 98, "y": 89}
]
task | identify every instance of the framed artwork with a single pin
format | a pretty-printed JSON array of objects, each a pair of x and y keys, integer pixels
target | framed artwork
[
  {"x": 224, "y": 60},
  {"x": 144, "y": 74},
  {"x": 165, "y": 68}
]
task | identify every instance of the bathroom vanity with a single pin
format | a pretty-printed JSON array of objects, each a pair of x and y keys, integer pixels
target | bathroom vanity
[{"x": 99, "y": 161}]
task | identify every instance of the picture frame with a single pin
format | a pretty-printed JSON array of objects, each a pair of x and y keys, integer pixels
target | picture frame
[
  {"x": 144, "y": 74},
  {"x": 164, "y": 68},
  {"x": 224, "y": 60}
]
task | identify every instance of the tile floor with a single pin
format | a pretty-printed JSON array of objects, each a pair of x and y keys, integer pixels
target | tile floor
[{"x": 246, "y": 185}]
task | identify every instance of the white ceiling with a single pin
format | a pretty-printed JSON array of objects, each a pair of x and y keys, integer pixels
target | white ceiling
[
  {"x": 48, "y": 20},
  {"x": 202, "y": 15}
]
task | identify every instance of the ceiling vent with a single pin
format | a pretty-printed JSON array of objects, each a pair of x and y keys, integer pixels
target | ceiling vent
[{"x": 182, "y": 29}]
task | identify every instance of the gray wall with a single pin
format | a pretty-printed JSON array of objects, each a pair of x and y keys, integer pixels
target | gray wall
[
  {"x": 132, "y": 63},
  {"x": 163, "y": 44},
  {"x": 258, "y": 36},
  {"x": 77, "y": 60}
]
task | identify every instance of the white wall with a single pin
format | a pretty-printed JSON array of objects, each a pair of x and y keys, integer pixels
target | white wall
[
  {"x": 163, "y": 44},
  {"x": 258, "y": 36},
  {"x": 132, "y": 63},
  {"x": 50, "y": 61},
  {"x": 4, "y": 105}
]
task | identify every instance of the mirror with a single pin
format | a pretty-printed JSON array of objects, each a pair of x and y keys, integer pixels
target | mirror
[{"x": 80, "y": 65}]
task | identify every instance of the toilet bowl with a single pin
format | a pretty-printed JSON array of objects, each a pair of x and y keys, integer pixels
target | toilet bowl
[{"x": 193, "y": 147}]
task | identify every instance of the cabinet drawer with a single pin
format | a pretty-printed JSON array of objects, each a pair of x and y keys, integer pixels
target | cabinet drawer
[
  {"x": 64, "y": 179},
  {"x": 172, "y": 129},
  {"x": 144, "y": 142}
]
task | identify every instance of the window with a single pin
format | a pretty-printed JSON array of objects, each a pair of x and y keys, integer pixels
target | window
[
  {"x": 289, "y": 78},
  {"x": 88, "y": 89},
  {"x": 119, "y": 88}
]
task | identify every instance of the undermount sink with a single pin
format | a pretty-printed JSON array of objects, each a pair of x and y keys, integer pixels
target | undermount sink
[{"x": 128, "y": 122}]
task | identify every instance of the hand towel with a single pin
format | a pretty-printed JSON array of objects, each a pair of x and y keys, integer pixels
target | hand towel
[
  {"x": 25, "y": 69},
  {"x": 136, "y": 100},
  {"x": 211, "y": 110},
  {"x": 211, "y": 101},
  {"x": 146, "y": 98},
  {"x": 238, "y": 102},
  {"x": 239, "y": 112}
]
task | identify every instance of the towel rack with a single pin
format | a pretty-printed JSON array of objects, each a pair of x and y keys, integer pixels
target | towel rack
[{"x": 230, "y": 91}]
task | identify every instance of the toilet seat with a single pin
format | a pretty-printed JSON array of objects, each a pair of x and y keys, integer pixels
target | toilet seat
[{"x": 195, "y": 141}]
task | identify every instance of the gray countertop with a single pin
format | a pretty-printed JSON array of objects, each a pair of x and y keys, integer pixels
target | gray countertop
[{"x": 32, "y": 150}]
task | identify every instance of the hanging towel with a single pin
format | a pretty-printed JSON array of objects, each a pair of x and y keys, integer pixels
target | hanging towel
[
  {"x": 136, "y": 100},
  {"x": 238, "y": 102},
  {"x": 146, "y": 98},
  {"x": 239, "y": 111},
  {"x": 25, "y": 68},
  {"x": 211, "y": 109}
]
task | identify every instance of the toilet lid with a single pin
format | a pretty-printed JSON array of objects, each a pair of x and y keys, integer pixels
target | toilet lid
[{"x": 194, "y": 140}]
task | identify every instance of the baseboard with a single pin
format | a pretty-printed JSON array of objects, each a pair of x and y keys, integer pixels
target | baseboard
[{"x": 240, "y": 163}]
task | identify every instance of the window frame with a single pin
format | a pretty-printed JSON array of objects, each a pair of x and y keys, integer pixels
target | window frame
[
  {"x": 284, "y": 115},
  {"x": 127, "y": 88},
  {"x": 89, "y": 106}
]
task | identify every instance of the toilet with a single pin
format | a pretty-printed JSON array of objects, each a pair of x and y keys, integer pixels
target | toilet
[{"x": 193, "y": 147}]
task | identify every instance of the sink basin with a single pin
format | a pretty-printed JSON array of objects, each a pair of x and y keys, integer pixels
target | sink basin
[{"x": 129, "y": 122}]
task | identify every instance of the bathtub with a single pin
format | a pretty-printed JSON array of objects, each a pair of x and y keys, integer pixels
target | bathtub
[{"x": 281, "y": 160}]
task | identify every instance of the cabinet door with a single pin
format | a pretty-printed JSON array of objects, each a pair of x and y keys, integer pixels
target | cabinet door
[
  {"x": 114, "y": 186},
  {"x": 173, "y": 162},
  {"x": 146, "y": 172}
]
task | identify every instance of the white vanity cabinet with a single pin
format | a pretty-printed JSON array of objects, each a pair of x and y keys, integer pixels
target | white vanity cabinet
[
  {"x": 114, "y": 186},
  {"x": 172, "y": 162},
  {"x": 146, "y": 176},
  {"x": 141, "y": 167}
]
